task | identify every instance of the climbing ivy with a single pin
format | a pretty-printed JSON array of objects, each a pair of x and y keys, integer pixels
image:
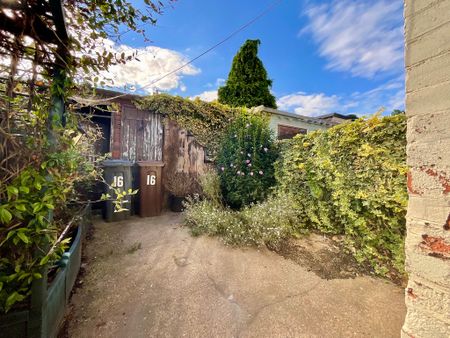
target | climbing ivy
[
  {"x": 351, "y": 180},
  {"x": 208, "y": 122}
]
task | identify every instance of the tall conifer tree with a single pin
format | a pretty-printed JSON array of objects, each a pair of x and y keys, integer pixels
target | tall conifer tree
[{"x": 247, "y": 84}]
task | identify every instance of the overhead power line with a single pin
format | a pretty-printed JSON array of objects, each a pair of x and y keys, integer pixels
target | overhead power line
[{"x": 190, "y": 61}]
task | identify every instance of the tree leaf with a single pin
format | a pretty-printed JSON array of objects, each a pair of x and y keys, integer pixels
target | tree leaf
[
  {"x": 5, "y": 216},
  {"x": 23, "y": 237}
]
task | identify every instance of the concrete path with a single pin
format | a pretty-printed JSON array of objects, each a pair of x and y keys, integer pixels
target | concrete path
[{"x": 150, "y": 278}]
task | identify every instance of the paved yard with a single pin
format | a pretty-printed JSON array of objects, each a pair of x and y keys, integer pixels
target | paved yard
[{"x": 150, "y": 278}]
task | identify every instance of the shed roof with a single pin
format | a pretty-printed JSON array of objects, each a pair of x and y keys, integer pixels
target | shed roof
[
  {"x": 307, "y": 119},
  {"x": 341, "y": 116}
]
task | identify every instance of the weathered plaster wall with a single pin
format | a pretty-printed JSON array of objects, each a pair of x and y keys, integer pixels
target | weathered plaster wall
[{"x": 427, "y": 58}]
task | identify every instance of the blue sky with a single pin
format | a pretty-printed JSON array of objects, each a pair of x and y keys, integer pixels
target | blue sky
[{"x": 323, "y": 56}]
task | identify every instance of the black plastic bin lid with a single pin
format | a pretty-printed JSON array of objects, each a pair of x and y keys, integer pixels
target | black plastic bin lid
[{"x": 116, "y": 163}]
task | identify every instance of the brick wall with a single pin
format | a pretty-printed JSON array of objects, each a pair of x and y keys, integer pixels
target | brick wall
[
  {"x": 116, "y": 137},
  {"x": 427, "y": 58}
]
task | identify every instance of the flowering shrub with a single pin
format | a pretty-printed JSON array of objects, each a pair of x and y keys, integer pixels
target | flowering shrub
[
  {"x": 269, "y": 222},
  {"x": 245, "y": 161},
  {"x": 264, "y": 223}
]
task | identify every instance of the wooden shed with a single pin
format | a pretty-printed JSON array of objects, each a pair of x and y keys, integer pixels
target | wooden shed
[{"x": 138, "y": 135}]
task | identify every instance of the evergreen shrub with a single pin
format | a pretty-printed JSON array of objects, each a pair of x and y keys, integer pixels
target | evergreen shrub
[{"x": 248, "y": 84}]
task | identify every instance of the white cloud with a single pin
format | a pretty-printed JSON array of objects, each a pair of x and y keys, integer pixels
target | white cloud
[
  {"x": 150, "y": 64},
  {"x": 389, "y": 96},
  {"x": 211, "y": 95},
  {"x": 208, "y": 96},
  {"x": 362, "y": 37},
  {"x": 220, "y": 82},
  {"x": 309, "y": 105}
]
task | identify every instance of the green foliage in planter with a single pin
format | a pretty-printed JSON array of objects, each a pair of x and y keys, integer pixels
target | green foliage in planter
[
  {"x": 206, "y": 121},
  {"x": 351, "y": 179},
  {"x": 246, "y": 160},
  {"x": 26, "y": 231},
  {"x": 248, "y": 84},
  {"x": 37, "y": 181}
]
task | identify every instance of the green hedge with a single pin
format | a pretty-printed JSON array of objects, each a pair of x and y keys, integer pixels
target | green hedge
[{"x": 351, "y": 180}]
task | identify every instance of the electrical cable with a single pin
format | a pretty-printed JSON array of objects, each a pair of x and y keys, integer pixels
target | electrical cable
[{"x": 190, "y": 61}]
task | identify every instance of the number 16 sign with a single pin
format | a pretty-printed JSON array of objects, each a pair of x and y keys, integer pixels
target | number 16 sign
[{"x": 151, "y": 179}]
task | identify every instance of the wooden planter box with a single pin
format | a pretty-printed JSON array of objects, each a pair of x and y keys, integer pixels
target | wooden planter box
[{"x": 48, "y": 302}]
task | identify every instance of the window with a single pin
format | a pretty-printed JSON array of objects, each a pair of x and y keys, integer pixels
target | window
[{"x": 285, "y": 132}]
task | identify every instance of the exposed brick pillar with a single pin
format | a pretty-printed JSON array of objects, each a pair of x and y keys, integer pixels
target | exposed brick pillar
[
  {"x": 427, "y": 58},
  {"x": 116, "y": 134}
]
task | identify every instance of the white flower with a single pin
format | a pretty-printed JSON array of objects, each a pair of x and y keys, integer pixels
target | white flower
[
  {"x": 222, "y": 168},
  {"x": 249, "y": 155},
  {"x": 261, "y": 172},
  {"x": 265, "y": 149},
  {"x": 251, "y": 173},
  {"x": 249, "y": 164}
]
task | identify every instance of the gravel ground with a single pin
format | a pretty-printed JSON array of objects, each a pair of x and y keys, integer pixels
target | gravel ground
[{"x": 151, "y": 278}]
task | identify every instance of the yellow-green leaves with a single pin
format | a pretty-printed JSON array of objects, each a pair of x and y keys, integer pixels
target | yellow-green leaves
[
  {"x": 5, "y": 215},
  {"x": 351, "y": 179}
]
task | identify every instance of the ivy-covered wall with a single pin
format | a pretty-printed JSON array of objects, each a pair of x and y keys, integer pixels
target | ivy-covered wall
[
  {"x": 351, "y": 180},
  {"x": 207, "y": 122}
]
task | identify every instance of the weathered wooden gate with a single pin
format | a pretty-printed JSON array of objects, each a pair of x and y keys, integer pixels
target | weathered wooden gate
[{"x": 142, "y": 135}]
